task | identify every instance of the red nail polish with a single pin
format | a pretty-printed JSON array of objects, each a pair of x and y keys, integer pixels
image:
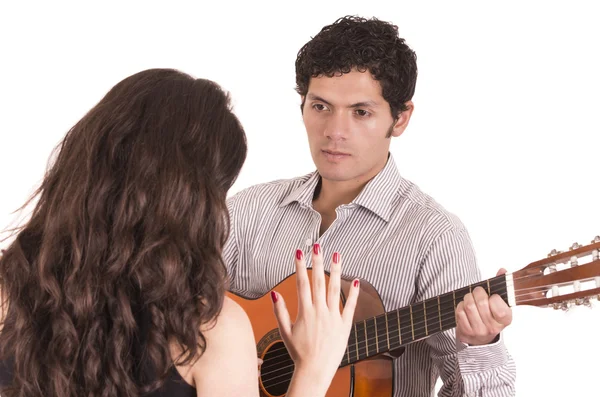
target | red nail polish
[
  {"x": 336, "y": 258},
  {"x": 316, "y": 249},
  {"x": 355, "y": 283},
  {"x": 274, "y": 296},
  {"x": 298, "y": 254}
]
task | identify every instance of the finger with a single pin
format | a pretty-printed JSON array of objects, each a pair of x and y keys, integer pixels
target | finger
[
  {"x": 501, "y": 312},
  {"x": 302, "y": 283},
  {"x": 472, "y": 313},
  {"x": 350, "y": 306},
  {"x": 318, "y": 276},
  {"x": 335, "y": 273},
  {"x": 462, "y": 321},
  {"x": 501, "y": 271},
  {"x": 483, "y": 308},
  {"x": 281, "y": 315}
]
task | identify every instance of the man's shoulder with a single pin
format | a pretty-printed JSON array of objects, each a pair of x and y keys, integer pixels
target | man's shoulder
[
  {"x": 267, "y": 193},
  {"x": 431, "y": 212}
]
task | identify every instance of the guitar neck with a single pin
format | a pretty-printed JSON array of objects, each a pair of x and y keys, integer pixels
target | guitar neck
[{"x": 400, "y": 327}]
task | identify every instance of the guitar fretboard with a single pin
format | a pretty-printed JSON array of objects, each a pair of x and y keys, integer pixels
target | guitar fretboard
[{"x": 397, "y": 328}]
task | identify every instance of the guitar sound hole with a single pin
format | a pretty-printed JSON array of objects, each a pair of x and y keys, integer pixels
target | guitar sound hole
[{"x": 277, "y": 370}]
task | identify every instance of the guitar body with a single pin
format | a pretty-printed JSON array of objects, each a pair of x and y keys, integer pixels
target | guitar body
[{"x": 367, "y": 378}]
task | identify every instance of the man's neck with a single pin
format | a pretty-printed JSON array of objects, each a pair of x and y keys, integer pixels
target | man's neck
[{"x": 332, "y": 194}]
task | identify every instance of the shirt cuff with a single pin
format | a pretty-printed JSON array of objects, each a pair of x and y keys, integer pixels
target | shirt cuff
[{"x": 473, "y": 359}]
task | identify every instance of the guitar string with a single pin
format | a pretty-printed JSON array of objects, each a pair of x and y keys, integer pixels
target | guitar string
[
  {"x": 417, "y": 327},
  {"x": 394, "y": 331}
]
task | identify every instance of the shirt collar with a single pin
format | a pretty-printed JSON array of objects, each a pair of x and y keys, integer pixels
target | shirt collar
[{"x": 377, "y": 195}]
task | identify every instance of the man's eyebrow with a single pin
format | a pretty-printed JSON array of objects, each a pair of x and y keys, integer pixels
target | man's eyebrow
[
  {"x": 314, "y": 97},
  {"x": 354, "y": 105},
  {"x": 364, "y": 104}
]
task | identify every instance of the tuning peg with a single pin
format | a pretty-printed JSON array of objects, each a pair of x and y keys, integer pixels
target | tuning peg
[
  {"x": 575, "y": 246},
  {"x": 554, "y": 252},
  {"x": 565, "y": 306},
  {"x": 596, "y": 240}
]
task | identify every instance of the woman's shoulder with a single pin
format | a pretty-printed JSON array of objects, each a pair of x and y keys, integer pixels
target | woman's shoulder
[{"x": 229, "y": 363}]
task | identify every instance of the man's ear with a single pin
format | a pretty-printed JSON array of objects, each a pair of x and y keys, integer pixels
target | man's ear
[{"x": 403, "y": 119}]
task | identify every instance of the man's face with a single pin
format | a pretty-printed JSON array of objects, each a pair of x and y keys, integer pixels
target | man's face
[{"x": 349, "y": 123}]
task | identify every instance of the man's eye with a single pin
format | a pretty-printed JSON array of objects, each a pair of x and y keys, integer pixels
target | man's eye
[
  {"x": 319, "y": 107},
  {"x": 362, "y": 113}
]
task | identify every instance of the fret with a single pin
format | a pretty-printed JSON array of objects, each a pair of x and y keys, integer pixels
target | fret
[
  {"x": 432, "y": 316},
  {"x": 387, "y": 332},
  {"x": 454, "y": 299},
  {"x": 349, "y": 351},
  {"x": 447, "y": 308},
  {"x": 376, "y": 336},
  {"x": 363, "y": 342},
  {"x": 371, "y": 335},
  {"x": 399, "y": 329},
  {"x": 381, "y": 334},
  {"x": 366, "y": 337},
  {"x": 439, "y": 312},
  {"x": 488, "y": 288},
  {"x": 406, "y": 330},
  {"x": 346, "y": 358},
  {"x": 356, "y": 342},
  {"x": 393, "y": 329},
  {"x": 425, "y": 318},
  {"x": 348, "y": 348},
  {"x": 412, "y": 326},
  {"x": 481, "y": 284},
  {"x": 460, "y": 295},
  {"x": 499, "y": 287}
]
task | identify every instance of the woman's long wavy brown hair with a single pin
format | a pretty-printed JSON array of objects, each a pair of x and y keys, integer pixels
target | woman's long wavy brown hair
[{"x": 132, "y": 210}]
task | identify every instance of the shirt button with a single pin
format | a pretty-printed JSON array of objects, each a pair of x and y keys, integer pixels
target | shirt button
[{"x": 308, "y": 242}]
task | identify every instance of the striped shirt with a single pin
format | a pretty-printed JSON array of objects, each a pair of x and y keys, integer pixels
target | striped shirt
[{"x": 395, "y": 237}]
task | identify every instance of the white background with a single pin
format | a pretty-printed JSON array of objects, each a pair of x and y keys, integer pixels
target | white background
[{"x": 505, "y": 131}]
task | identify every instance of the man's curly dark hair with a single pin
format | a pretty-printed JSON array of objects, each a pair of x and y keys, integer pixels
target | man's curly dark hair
[{"x": 365, "y": 44}]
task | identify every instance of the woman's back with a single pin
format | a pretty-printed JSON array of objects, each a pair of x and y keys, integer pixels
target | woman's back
[
  {"x": 175, "y": 385},
  {"x": 132, "y": 209}
]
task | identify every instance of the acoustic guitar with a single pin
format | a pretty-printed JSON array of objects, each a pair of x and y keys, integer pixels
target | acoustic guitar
[{"x": 559, "y": 281}]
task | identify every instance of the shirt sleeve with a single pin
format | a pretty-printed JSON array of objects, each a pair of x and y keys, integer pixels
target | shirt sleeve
[
  {"x": 485, "y": 371},
  {"x": 231, "y": 249}
]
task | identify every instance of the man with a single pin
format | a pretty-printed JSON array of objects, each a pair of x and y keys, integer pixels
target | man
[{"x": 356, "y": 79}]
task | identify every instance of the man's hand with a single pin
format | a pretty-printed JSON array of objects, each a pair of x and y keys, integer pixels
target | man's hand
[{"x": 480, "y": 318}]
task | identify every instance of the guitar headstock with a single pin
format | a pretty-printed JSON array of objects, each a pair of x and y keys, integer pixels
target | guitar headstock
[{"x": 563, "y": 279}]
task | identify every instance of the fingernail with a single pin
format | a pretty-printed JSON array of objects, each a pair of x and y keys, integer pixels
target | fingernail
[
  {"x": 298, "y": 254},
  {"x": 274, "y": 296},
  {"x": 355, "y": 283},
  {"x": 316, "y": 249},
  {"x": 336, "y": 258}
]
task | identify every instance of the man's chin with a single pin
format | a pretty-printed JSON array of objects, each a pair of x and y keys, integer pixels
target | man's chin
[{"x": 334, "y": 175}]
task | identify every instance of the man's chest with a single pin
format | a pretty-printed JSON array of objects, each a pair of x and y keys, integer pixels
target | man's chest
[{"x": 383, "y": 254}]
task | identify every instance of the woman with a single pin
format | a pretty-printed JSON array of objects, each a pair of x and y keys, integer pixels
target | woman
[{"x": 115, "y": 286}]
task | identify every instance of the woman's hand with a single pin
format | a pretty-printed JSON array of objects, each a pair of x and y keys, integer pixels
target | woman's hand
[{"x": 319, "y": 337}]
